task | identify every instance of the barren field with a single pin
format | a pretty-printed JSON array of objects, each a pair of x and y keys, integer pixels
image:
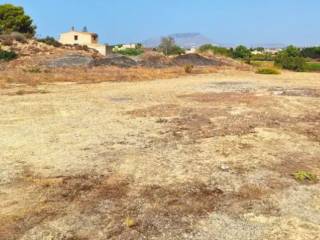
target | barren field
[{"x": 204, "y": 157}]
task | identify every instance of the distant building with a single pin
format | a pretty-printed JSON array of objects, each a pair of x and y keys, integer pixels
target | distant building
[
  {"x": 191, "y": 50},
  {"x": 83, "y": 38},
  {"x": 256, "y": 52},
  {"x": 272, "y": 51},
  {"x": 124, "y": 47}
]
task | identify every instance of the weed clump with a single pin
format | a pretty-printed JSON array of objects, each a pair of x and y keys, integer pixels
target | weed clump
[
  {"x": 188, "y": 68},
  {"x": 7, "y": 55},
  {"x": 304, "y": 176},
  {"x": 50, "y": 41},
  {"x": 130, "y": 222},
  {"x": 270, "y": 71}
]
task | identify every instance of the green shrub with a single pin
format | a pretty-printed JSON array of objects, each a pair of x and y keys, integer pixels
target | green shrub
[
  {"x": 242, "y": 52},
  {"x": 291, "y": 59},
  {"x": 262, "y": 57},
  {"x": 268, "y": 71},
  {"x": 305, "y": 176},
  {"x": 131, "y": 51},
  {"x": 50, "y": 41},
  {"x": 215, "y": 50},
  {"x": 32, "y": 70},
  {"x": 311, "y": 52},
  {"x": 7, "y": 55},
  {"x": 283, "y": 60},
  {"x": 176, "y": 50},
  {"x": 169, "y": 47}
]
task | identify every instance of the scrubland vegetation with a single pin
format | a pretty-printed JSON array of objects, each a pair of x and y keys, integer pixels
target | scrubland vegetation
[
  {"x": 7, "y": 55},
  {"x": 267, "y": 71}
]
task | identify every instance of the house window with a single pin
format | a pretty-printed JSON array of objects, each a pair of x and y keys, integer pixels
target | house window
[{"x": 76, "y": 37}]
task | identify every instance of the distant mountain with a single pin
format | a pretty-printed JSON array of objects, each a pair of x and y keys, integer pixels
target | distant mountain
[{"x": 185, "y": 40}]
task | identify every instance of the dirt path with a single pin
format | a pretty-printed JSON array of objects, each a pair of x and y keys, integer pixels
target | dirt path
[{"x": 199, "y": 157}]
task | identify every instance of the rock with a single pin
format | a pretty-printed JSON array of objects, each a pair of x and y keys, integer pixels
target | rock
[
  {"x": 196, "y": 60},
  {"x": 115, "y": 60},
  {"x": 71, "y": 60},
  {"x": 225, "y": 168}
]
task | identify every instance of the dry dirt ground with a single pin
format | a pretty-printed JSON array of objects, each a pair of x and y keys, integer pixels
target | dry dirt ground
[{"x": 206, "y": 157}]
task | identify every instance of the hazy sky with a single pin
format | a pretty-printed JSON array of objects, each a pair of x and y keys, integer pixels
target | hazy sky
[{"x": 224, "y": 21}]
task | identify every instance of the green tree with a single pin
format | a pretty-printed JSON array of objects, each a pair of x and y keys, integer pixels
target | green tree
[
  {"x": 168, "y": 47},
  {"x": 293, "y": 51},
  {"x": 311, "y": 52},
  {"x": 242, "y": 52},
  {"x": 139, "y": 46},
  {"x": 14, "y": 19},
  {"x": 291, "y": 59}
]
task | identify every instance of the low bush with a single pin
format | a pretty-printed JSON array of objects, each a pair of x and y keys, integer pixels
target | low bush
[
  {"x": 130, "y": 51},
  {"x": 283, "y": 60},
  {"x": 130, "y": 222},
  {"x": 291, "y": 59},
  {"x": 242, "y": 52},
  {"x": 188, "y": 68},
  {"x": 311, "y": 52},
  {"x": 50, "y": 41},
  {"x": 262, "y": 57},
  {"x": 304, "y": 176},
  {"x": 215, "y": 50},
  {"x": 174, "y": 50},
  {"x": 32, "y": 70},
  {"x": 8, "y": 39},
  {"x": 7, "y": 55},
  {"x": 268, "y": 71}
]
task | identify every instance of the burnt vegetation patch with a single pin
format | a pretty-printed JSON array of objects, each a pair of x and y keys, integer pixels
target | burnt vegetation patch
[
  {"x": 153, "y": 209},
  {"x": 190, "y": 124}
]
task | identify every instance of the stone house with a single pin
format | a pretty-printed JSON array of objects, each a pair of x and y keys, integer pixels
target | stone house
[{"x": 83, "y": 38}]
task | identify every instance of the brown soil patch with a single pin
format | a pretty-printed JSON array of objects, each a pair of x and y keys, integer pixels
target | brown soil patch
[
  {"x": 198, "y": 124},
  {"x": 192, "y": 124},
  {"x": 53, "y": 196},
  {"x": 231, "y": 98},
  {"x": 163, "y": 110}
]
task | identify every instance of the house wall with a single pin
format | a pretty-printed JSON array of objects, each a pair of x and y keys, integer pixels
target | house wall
[
  {"x": 102, "y": 49},
  {"x": 83, "y": 38},
  {"x": 86, "y": 39}
]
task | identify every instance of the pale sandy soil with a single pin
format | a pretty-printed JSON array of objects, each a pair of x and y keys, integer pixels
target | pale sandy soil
[{"x": 207, "y": 157}]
